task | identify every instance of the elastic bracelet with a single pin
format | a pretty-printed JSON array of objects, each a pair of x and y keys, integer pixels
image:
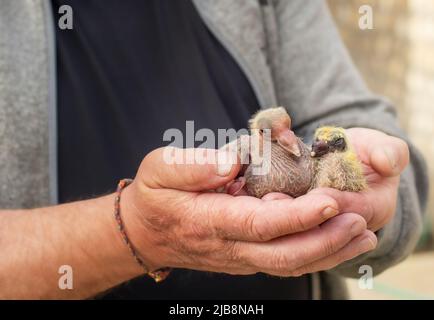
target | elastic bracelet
[{"x": 157, "y": 275}]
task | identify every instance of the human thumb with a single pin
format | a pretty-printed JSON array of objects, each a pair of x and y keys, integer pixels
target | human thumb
[
  {"x": 188, "y": 169},
  {"x": 389, "y": 158}
]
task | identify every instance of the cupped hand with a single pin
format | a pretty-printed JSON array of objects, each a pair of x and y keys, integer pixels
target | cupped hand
[
  {"x": 174, "y": 220},
  {"x": 383, "y": 158}
]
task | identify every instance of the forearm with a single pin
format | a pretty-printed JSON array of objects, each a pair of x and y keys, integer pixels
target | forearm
[{"x": 36, "y": 243}]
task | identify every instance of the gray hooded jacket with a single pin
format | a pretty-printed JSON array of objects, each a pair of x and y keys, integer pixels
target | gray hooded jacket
[{"x": 291, "y": 54}]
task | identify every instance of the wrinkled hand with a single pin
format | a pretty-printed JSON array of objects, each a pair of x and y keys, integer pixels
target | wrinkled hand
[
  {"x": 384, "y": 158},
  {"x": 173, "y": 221}
]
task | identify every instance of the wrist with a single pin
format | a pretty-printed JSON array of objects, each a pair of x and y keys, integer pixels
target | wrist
[
  {"x": 141, "y": 237},
  {"x": 118, "y": 260}
]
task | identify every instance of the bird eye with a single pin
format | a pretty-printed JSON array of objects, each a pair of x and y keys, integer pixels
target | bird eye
[{"x": 339, "y": 142}]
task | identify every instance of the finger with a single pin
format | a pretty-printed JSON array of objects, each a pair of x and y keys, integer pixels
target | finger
[
  {"x": 251, "y": 219},
  {"x": 275, "y": 196},
  {"x": 189, "y": 169},
  {"x": 349, "y": 201},
  {"x": 388, "y": 155},
  {"x": 284, "y": 255},
  {"x": 374, "y": 206},
  {"x": 363, "y": 243}
]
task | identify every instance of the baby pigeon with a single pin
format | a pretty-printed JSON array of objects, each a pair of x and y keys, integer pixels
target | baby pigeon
[
  {"x": 288, "y": 165},
  {"x": 336, "y": 163}
]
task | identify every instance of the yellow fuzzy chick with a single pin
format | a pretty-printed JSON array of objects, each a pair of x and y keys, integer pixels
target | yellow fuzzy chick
[{"x": 336, "y": 165}]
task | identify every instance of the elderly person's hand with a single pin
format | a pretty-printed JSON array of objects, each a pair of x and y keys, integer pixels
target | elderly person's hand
[
  {"x": 384, "y": 158},
  {"x": 174, "y": 221}
]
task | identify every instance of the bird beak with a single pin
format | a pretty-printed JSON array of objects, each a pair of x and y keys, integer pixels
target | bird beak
[
  {"x": 319, "y": 148},
  {"x": 289, "y": 141}
]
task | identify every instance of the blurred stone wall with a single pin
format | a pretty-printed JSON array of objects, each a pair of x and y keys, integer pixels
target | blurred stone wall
[{"x": 396, "y": 58}]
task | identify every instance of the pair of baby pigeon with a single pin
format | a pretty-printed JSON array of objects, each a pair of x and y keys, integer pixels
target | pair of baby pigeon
[{"x": 291, "y": 166}]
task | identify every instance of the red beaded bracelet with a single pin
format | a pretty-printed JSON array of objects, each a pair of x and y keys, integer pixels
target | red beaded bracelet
[{"x": 157, "y": 275}]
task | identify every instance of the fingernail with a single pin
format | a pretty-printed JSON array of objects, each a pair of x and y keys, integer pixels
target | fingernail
[
  {"x": 224, "y": 163},
  {"x": 391, "y": 156},
  {"x": 368, "y": 244},
  {"x": 357, "y": 228},
  {"x": 329, "y": 212}
]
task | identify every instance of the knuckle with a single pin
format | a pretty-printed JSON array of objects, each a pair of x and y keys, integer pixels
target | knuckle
[
  {"x": 256, "y": 228},
  {"x": 297, "y": 222},
  {"x": 155, "y": 155},
  {"x": 330, "y": 244},
  {"x": 199, "y": 232},
  {"x": 282, "y": 263},
  {"x": 294, "y": 220},
  {"x": 218, "y": 219},
  {"x": 232, "y": 250},
  {"x": 151, "y": 155}
]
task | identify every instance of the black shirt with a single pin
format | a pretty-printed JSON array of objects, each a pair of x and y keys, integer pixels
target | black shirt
[{"x": 128, "y": 71}]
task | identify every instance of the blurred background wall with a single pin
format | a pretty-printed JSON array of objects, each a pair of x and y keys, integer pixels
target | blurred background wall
[{"x": 396, "y": 58}]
